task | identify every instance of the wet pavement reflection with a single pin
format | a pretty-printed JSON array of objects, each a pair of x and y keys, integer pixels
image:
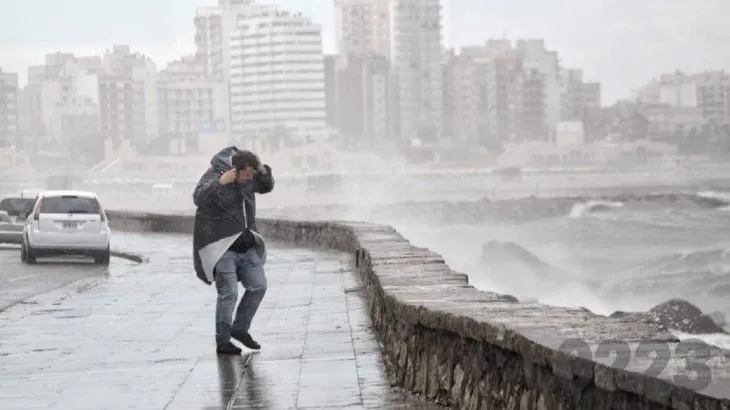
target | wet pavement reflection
[{"x": 142, "y": 337}]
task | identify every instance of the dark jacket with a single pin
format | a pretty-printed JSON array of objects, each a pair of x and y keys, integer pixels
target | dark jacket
[{"x": 225, "y": 212}]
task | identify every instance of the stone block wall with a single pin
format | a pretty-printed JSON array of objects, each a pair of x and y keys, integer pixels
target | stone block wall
[{"x": 471, "y": 349}]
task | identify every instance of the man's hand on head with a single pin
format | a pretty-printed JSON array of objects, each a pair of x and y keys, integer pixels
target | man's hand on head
[
  {"x": 228, "y": 177},
  {"x": 261, "y": 169}
]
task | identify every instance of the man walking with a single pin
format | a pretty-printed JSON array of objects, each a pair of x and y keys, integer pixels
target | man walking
[{"x": 227, "y": 247}]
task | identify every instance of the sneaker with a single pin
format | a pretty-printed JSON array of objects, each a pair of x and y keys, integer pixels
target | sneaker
[
  {"x": 246, "y": 340},
  {"x": 228, "y": 348}
]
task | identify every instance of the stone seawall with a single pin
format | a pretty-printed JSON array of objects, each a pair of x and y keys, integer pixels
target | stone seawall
[{"x": 471, "y": 349}]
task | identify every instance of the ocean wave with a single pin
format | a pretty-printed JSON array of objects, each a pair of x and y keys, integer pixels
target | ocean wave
[
  {"x": 499, "y": 253},
  {"x": 721, "y": 198},
  {"x": 581, "y": 208},
  {"x": 512, "y": 259},
  {"x": 517, "y": 210},
  {"x": 515, "y": 270},
  {"x": 712, "y": 261}
]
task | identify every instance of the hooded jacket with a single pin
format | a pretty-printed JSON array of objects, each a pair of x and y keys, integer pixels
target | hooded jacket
[{"x": 224, "y": 212}]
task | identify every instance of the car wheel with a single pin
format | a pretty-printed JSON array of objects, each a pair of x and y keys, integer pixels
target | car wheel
[
  {"x": 29, "y": 254},
  {"x": 102, "y": 257},
  {"x": 23, "y": 253}
]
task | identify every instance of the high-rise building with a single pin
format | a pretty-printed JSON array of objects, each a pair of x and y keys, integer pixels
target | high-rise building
[
  {"x": 330, "y": 89},
  {"x": 415, "y": 52},
  {"x": 128, "y": 97},
  {"x": 676, "y": 89},
  {"x": 537, "y": 59},
  {"x": 578, "y": 98},
  {"x": 708, "y": 91},
  {"x": 213, "y": 28},
  {"x": 69, "y": 97},
  {"x": 465, "y": 87},
  {"x": 362, "y": 27},
  {"x": 713, "y": 96},
  {"x": 504, "y": 96},
  {"x": 8, "y": 109},
  {"x": 191, "y": 103},
  {"x": 363, "y": 108},
  {"x": 277, "y": 76}
]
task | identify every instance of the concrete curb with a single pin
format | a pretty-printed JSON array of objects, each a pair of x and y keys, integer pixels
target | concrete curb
[{"x": 116, "y": 254}]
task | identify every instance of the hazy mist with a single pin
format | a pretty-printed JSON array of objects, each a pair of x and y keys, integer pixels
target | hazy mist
[{"x": 552, "y": 191}]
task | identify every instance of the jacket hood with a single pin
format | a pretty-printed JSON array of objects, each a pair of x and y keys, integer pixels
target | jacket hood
[{"x": 222, "y": 160}]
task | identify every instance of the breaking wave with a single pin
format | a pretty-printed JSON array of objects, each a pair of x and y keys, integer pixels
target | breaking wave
[
  {"x": 516, "y": 270},
  {"x": 592, "y": 206},
  {"x": 715, "y": 261},
  {"x": 517, "y": 210}
]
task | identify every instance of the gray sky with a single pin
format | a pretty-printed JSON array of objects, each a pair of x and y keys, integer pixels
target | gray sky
[{"x": 622, "y": 43}]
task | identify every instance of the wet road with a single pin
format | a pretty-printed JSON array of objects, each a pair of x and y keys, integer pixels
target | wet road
[
  {"x": 141, "y": 337},
  {"x": 19, "y": 281}
]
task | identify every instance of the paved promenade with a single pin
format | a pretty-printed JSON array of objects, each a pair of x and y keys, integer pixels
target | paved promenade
[{"x": 141, "y": 337}]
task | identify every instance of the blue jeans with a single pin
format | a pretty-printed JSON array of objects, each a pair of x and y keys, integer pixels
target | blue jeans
[{"x": 230, "y": 269}]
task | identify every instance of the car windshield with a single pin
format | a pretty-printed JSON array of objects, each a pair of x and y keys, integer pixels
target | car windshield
[{"x": 69, "y": 204}]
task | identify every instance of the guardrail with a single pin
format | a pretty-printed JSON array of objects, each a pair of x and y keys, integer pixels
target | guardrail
[{"x": 467, "y": 348}]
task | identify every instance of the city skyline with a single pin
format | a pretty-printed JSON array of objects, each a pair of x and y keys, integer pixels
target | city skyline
[{"x": 651, "y": 39}]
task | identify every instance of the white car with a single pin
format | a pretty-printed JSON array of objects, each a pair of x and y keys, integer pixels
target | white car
[{"x": 66, "y": 223}]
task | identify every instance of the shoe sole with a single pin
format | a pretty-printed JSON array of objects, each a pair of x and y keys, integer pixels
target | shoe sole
[{"x": 228, "y": 353}]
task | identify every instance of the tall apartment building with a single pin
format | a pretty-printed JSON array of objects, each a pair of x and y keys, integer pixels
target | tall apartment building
[
  {"x": 490, "y": 96},
  {"x": 362, "y": 27},
  {"x": 35, "y": 131},
  {"x": 465, "y": 82},
  {"x": 190, "y": 102},
  {"x": 578, "y": 98},
  {"x": 8, "y": 109},
  {"x": 69, "y": 97},
  {"x": 330, "y": 89},
  {"x": 686, "y": 99},
  {"x": 415, "y": 52},
  {"x": 277, "y": 76},
  {"x": 713, "y": 96},
  {"x": 534, "y": 110},
  {"x": 537, "y": 59},
  {"x": 676, "y": 89},
  {"x": 362, "y": 105},
  {"x": 504, "y": 96},
  {"x": 213, "y": 29},
  {"x": 128, "y": 97}
]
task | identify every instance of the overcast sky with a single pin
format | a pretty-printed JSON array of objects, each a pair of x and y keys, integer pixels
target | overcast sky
[{"x": 621, "y": 43}]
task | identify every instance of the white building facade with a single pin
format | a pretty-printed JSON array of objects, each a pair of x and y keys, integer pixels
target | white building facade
[
  {"x": 277, "y": 76},
  {"x": 191, "y": 103},
  {"x": 545, "y": 62},
  {"x": 128, "y": 100},
  {"x": 415, "y": 52},
  {"x": 8, "y": 109},
  {"x": 69, "y": 89},
  {"x": 213, "y": 28},
  {"x": 362, "y": 27}
]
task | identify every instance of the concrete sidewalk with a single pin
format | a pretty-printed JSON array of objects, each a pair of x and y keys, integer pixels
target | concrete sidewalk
[{"x": 143, "y": 338}]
